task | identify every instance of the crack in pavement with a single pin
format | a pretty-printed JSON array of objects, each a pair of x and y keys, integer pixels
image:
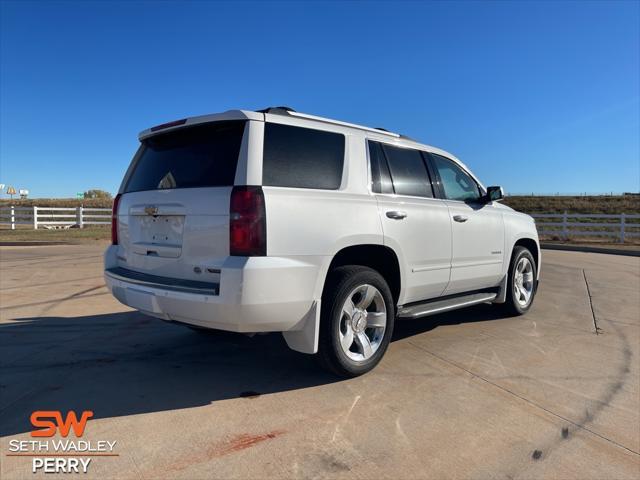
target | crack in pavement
[
  {"x": 530, "y": 402},
  {"x": 593, "y": 313},
  {"x": 592, "y": 409},
  {"x": 22, "y": 265},
  {"x": 58, "y": 282},
  {"x": 57, "y": 301}
]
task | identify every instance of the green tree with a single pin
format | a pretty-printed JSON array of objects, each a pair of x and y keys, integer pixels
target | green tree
[{"x": 97, "y": 194}]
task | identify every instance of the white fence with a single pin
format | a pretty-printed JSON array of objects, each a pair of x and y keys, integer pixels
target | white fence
[
  {"x": 54, "y": 217},
  {"x": 565, "y": 225}
]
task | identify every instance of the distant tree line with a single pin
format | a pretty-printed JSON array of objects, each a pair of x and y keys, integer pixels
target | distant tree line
[{"x": 97, "y": 194}]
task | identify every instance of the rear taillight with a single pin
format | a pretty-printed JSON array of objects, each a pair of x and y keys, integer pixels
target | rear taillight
[
  {"x": 114, "y": 220},
  {"x": 248, "y": 223},
  {"x": 169, "y": 125}
]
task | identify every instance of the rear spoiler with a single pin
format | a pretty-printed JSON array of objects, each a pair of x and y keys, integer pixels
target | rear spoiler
[{"x": 186, "y": 122}]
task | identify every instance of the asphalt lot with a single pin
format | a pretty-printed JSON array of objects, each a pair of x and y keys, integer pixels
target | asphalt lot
[{"x": 469, "y": 394}]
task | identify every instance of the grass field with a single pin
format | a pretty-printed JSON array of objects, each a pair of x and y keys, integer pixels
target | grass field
[
  {"x": 609, "y": 205},
  {"x": 614, "y": 205},
  {"x": 56, "y": 202},
  {"x": 73, "y": 235}
]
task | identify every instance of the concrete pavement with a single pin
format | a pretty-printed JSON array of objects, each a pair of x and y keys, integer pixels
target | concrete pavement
[{"x": 468, "y": 394}]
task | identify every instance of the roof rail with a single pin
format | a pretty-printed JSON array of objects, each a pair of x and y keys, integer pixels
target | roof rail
[
  {"x": 401, "y": 135},
  {"x": 344, "y": 124},
  {"x": 277, "y": 110},
  {"x": 291, "y": 112}
]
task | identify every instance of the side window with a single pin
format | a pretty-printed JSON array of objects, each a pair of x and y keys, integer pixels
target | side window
[
  {"x": 457, "y": 184},
  {"x": 408, "y": 171},
  {"x": 302, "y": 157},
  {"x": 379, "y": 169}
]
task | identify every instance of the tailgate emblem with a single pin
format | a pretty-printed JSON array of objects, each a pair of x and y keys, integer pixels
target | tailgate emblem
[{"x": 151, "y": 210}]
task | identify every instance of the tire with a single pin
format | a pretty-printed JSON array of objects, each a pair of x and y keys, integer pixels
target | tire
[
  {"x": 517, "y": 302},
  {"x": 343, "y": 323}
]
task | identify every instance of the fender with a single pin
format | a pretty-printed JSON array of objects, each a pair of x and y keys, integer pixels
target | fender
[
  {"x": 525, "y": 236},
  {"x": 304, "y": 337},
  {"x": 345, "y": 242}
]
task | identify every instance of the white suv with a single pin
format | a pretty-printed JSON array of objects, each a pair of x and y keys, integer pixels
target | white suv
[{"x": 278, "y": 221}]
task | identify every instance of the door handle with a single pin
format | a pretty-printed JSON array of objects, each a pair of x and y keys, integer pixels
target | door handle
[
  {"x": 396, "y": 215},
  {"x": 460, "y": 218}
]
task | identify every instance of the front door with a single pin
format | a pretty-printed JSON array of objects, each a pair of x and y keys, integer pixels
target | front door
[{"x": 477, "y": 230}]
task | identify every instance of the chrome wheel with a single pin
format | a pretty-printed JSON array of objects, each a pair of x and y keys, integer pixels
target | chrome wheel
[
  {"x": 523, "y": 282},
  {"x": 363, "y": 323}
]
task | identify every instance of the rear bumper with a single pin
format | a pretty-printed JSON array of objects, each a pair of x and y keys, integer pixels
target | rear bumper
[
  {"x": 163, "y": 283},
  {"x": 256, "y": 294}
]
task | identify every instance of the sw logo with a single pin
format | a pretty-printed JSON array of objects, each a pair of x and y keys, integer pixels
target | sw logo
[
  {"x": 60, "y": 455},
  {"x": 48, "y": 422}
]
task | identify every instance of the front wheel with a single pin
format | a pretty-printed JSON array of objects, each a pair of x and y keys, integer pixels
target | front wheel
[
  {"x": 356, "y": 321},
  {"x": 521, "y": 283}
]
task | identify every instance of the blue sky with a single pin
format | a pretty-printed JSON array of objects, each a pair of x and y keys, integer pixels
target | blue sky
[{"x": 537, "y": 97}]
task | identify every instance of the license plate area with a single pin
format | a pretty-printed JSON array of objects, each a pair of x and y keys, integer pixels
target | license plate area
[
  {"x": 161, "y": 229},
  {"x": 141, "y": 300},
  {"x": 157, "y": 235}
]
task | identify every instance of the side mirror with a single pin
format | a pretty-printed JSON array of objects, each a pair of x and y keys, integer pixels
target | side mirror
[{"x": 494, "y": 194}]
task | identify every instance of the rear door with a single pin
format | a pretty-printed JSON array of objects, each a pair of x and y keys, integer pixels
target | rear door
[
  {"x": 477, "y": 227},
  {"x": 173, "y": 215},
  {"x": 415, "y": 224}
]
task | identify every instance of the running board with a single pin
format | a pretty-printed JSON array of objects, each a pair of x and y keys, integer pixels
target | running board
[{"x": 440, "y": 306}]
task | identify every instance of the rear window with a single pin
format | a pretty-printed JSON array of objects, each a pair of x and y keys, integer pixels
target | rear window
[
  {"x": 201, "y": 156},
  {"x": 302, "y": 157},
  {"x": 408, "y": 172},
  {"x": 379, "y": 169}
]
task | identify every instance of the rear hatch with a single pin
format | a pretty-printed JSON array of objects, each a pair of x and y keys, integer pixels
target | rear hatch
[{"x": 173, "y": 215}]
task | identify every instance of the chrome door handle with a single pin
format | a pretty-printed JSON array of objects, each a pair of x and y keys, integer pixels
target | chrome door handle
[
  {"x": 460, "y": 218},
  {"x": 396, "y": 215}
]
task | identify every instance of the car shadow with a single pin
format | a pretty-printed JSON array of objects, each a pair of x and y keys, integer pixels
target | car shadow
[
  {"x": 127, "y": 363},
  {"x": 479, "y": 313}
]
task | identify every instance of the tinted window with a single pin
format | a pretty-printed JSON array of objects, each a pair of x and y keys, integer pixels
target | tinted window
[
  {"x": 200, "y": 156},
  {"x": 380, "y": 175},
  {"x": 301, "y": 157},
  {"x": 457, "y": 184},
  {"x": 408, "y": 172}
]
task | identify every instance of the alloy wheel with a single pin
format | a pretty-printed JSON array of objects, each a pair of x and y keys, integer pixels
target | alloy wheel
[
  {"x": 363, "y": 322},
  {"x": 523, "y": 281}
]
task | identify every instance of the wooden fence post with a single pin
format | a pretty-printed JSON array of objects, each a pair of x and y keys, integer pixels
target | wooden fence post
[
  {"x": 35, "y": 218},
  {"x": 79, "y": 219},
  {"x": 13, "y": 217}
]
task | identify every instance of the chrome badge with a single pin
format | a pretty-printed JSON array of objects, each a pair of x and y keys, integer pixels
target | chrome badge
[{"x": 151, "y": 210}]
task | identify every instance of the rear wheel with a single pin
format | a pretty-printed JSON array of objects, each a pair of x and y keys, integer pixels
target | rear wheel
[
  {"x": 356, "y": 320},
  {"x": 521, "y": 283}
]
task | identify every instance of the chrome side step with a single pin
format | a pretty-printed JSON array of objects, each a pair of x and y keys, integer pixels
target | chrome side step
[{"x": 440, "y": 306}]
